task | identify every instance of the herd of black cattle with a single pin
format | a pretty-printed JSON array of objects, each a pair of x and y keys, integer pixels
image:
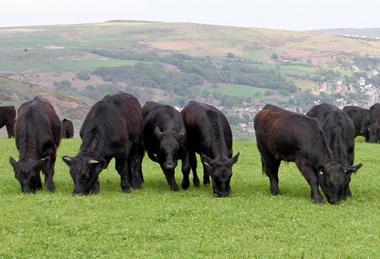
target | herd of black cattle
[{"x": 321, "y": 143}]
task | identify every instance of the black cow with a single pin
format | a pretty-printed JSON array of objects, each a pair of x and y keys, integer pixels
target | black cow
[
  {"x": 38, "y": 134},
  {"x": 339, "y": 131},
  {"x": 164, "y": 138},
  {"x": 8, "y": 118},
  {"x": 112, "y": 129},
  {"x": 374, "y": 128},
  {"x": 67, "y": 128},
  {"x": 209, "y": 134},
  {"x": 289, "y": 136},
  {"x": 361, "y": 119}
]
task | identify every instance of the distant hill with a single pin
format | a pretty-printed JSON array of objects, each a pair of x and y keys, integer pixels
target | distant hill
[
  {"x": 369, "y": 32},
  {"x": 238, "y": 69}
]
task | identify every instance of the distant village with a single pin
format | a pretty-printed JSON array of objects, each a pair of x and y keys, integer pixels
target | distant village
[{"x": 338, "y": 89}]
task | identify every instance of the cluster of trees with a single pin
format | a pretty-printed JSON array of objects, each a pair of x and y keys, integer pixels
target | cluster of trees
[
  {"x": 367, "y": 63},
  {"x": 151, "y": 75},
  {"x": 179, "y": 72}
]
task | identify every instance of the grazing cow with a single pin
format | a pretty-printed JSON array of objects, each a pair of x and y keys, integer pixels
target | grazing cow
[
  {"x": 289, "y": 136},
  {"x": 164, "y": 138},
  {"x": 339, "y": 131},
  {"x": 112, "y": 129},
  {"x": 67, "y": 128},
  {"x": 38, "y": 134},
  {"x": 361, "y": 119},
  {"x": 209, "y": 134},
  {"x": 7, "y": 118},
  {"x": 374, "y": 128}
]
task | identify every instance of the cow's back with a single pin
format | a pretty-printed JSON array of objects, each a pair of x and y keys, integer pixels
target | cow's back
[
  {"x": 67, "y": 128},
  {"x": 37, "y": 122},
  {"x": 286, "y": 135},
  {"x": 163, "y": 116},
  {"x": 207, "y": 129},
  {"x": 360, "y": 117},
  {"x": 130, "y": 108},
  {"x": 104, "y": 124},
  {"x": 331, "y": 118},
  {"x": 7, "y": 113},
  {"x": 374, "y": 112},
  {"x": 339, "y": 130}
]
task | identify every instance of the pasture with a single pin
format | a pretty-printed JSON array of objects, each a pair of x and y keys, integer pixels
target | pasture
[{"x": 156, "y": 222}]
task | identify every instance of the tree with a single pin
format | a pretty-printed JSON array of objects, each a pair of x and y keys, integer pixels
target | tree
[{"x": 274, "y": 56}]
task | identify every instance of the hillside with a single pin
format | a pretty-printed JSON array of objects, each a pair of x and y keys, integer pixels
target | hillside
[
  {"x": 237, "y": 69},
  {"x": 365, "y": 32}
]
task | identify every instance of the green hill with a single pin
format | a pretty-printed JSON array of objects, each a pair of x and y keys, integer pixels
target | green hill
[{"x": 232, "y": 67}]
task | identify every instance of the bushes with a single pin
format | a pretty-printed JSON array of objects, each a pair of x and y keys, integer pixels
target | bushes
[
  {"x": 62, "y": 85},
  {"x": 151, "y": 76},
  {"x": 192, "y": 71},
  {"x": 83, "y": 76}
]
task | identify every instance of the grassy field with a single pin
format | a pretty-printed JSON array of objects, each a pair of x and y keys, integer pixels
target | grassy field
[
  {"x": 236, "y": 90},
  {"x": 155, "y": 222}
]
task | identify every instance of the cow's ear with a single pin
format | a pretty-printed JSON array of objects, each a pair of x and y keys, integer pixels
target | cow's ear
[
  {"x": 352, "y": 169},
  {"x": 157, "y": 132},
  {"x": 206, "y": 160},
  {"x": 68, "y": 160},
  {"x": 12, "y": 161},
  {"x": 235, "y": 158}
]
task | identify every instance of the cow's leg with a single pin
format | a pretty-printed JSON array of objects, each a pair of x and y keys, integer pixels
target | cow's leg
[
  {"x": 169, "y": 174},
  {"x": 10, "y": 131},
  {"x": 122, "y": 168},
  {"x": 48, "y": 171},
  {"x": 185, "y": 172},
  {"x": 311, "y": 177},
  {"x": 135, "y": 175},
  {"x": 96, "y": 188},
  {"x": 140, "y": 167},
  {"x": 366, "y": 137},
  {"x": 348, "y": 191},
  {"x": 38, "y": 183},
  {"x": 270, "y": 166},
  {"x": 350, "y": 160},
  {"x": 206, "y": 175},
  {"x": 193, "y": 165}
]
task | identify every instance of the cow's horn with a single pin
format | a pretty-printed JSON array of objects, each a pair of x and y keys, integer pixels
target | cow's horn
[{"x": 93, "y": 161}]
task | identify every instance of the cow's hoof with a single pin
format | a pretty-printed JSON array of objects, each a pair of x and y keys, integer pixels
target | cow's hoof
[
  {"x": 51, "y": 188},
  {"x": 275, "y": 192},
  {"x": 126, "y": 189},
  {"x": 318, "y": 200},
  {"x": 137, "y": 186},
  {"x": 174, "y": 188},
  {"x": 185, "y": 185}
]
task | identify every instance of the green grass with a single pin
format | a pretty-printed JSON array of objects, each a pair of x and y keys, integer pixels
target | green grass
[
  {"x": 155, "y": 222},
  {"x": 70, "y": 65},
  {"x": 297, "y": 70},
  {"x": 236, "y": 90}
]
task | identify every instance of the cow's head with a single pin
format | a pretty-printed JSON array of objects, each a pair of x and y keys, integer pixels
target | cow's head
[
  {"x": 85, "y": 172},
  {"x": 334, "y": 180},
  {"x": 169, "y": 147},
  {"x": 27, "y": 172},
  {"x": 374, "y": 133},
  {"x": 221, "y": 172}
]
